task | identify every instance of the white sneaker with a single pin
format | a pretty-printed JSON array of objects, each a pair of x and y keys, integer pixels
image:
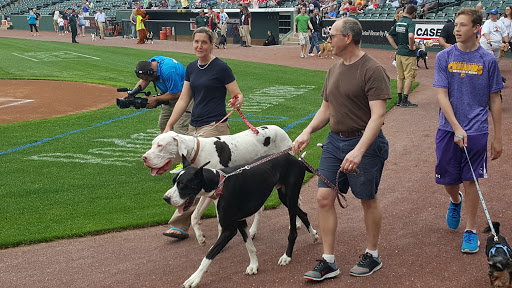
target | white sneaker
[
  {"x": 302, "y": 55},
  {"x": 311, "y": 54},
  {"x": 394, "y": 63}
]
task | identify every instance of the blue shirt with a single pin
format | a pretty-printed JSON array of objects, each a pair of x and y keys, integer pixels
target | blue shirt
[
  {"x": 208, "y": 87},
  {"x": 470, "y": 78},
  {"x": 223, "y": 17},
  {"x": 332, "y": 14},
  {"x": 171, "y": 74},
  {"x": 31, "y": 19},
  {"x": 100, "y": 17}
]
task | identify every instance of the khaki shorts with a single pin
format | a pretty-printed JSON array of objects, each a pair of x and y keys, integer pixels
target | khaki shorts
[
  {"x": 406, "y": 67},
  {"x": 206, "y": 131},
  {"x": 241, "y": 30},
  {"x": 181, "y": 127}
]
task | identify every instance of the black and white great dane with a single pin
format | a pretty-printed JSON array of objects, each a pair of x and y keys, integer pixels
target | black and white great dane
[
  {"x": 221, "y": 152},
  {"x": 241, "y": 196}
]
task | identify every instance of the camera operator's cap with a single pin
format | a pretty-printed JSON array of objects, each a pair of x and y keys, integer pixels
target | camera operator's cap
[{"x": 494, "y": 11}]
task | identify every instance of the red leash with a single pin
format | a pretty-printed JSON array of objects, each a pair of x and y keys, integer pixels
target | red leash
[{"x": 253, "y": 129}]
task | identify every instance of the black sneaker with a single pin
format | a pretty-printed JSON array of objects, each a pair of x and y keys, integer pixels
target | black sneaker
[
  {"x": 366, "y": 266},
  {"x": 322, "y": 271},
  {"x": 398, "y": 103},
  {"x": 408, "y": 104}
]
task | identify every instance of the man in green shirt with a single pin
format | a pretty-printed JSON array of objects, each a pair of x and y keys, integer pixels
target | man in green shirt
[
  {"x": 302, "y": 24},
  {"x": 201, "y": 20},
  {"x": 403, "y": 32}
]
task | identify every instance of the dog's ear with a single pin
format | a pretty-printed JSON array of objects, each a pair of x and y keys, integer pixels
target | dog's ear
[
  {"x": 181, "y": 144},
  {"x": 185, "y": 161}
]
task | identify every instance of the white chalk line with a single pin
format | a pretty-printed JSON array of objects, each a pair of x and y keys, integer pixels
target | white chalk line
[
  {"x": 26, "y": 57},
  {"x": 19, "y": 101},
  {"x": 82, "y": 55}
]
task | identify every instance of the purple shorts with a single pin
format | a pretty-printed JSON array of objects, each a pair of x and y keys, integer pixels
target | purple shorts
[{"x": 452, "y": 165}]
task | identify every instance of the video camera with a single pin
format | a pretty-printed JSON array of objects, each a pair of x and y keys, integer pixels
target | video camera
[{"x": 131, "y": 99}]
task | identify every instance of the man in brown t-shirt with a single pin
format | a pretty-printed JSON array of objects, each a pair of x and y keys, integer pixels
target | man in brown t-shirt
[{"x": 354, "y": 105}]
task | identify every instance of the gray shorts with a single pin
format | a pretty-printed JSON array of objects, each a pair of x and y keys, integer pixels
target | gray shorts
[{"x": 364, "y": 185}]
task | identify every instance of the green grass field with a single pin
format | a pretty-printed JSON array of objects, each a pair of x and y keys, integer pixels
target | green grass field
[{"x": 81, "y": 174}]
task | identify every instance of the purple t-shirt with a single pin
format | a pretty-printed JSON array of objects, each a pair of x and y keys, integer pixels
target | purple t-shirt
[{"x": 470, "y": 77}]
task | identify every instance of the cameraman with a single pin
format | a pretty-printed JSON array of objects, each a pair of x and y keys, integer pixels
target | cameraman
[{"x": 168, "y": 75}]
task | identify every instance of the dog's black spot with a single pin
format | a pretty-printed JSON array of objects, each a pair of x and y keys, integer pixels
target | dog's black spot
[
  {"x": 266, "y": 142},
  {"x": 217, "y": 137},
  {"x": 263, "y": 127},
  {"x": 224, "y": 152}
]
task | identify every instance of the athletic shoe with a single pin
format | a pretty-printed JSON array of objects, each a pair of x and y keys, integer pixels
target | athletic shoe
[
  {"x": 394, "y": 63},
  {"x": 408, "y": 104},
  {"x": 302, "y": 55},
  {"x": 311, "y": 54},
  {"x": 322, "y": 270},
  {"x": 453, "y": 214},
  {"x": 177, "y": 170},
  {"x": 470, "y": 242},
  {"x": 366, "y": 266},
  {"x": 398, "y": 103}
]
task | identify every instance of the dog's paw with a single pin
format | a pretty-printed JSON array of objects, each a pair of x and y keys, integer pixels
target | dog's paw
[
  {"x": 298, "y": 223},
  {"x": 284, "y": 260},
  {"x": 314, "y": 235},
  {"x": 201, "y": 239},
  {"x": 192, "y": 281},
  {"x": 251, "y": 270}
]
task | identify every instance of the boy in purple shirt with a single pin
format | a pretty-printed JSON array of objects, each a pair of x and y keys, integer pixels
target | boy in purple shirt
[{"x": 468, "y": 82}]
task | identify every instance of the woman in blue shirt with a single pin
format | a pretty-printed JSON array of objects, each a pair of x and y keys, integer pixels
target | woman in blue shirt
[{"x": 32, "y": 23}]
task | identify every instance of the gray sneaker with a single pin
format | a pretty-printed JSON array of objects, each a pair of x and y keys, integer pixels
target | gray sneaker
[
  {"x": 366, "y": 266},
  {"x": 322, "y": 270}
]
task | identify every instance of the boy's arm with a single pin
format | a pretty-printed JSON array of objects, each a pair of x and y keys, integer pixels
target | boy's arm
[
  {"x": 496, "y": 144},
  {"x": 446, "y": 107}
]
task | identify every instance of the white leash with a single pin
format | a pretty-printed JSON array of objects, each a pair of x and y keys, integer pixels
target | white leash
[{"x": 479, "y": 192}]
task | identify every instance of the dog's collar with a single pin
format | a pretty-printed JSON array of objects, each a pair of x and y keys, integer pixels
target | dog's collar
[
  {"x": 218, "y": 192},
  {"x": 198, "y": 145}
]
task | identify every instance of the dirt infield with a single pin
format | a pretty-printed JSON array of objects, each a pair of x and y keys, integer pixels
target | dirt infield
[
  {"x": 417, "y": 248},
  {"x": 39, "y": 99}
]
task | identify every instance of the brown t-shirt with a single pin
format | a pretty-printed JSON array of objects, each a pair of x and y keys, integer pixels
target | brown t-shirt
[{"x": 349, "y": 88}]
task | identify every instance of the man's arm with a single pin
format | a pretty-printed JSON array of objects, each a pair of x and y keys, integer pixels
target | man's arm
[
  {"x": 378, "y": 113},
  {"x": 156, "y": 100},
  {"x": 311, "y": 26},
  {"x": 319, "y": 121},
  {"x": 496, "y": 144},
  {"x": 446, "y": 107},
  {"x": 443, "y": 43},
  {"x": 411, "y": 42},
  {"x": 391, "y": 41}
]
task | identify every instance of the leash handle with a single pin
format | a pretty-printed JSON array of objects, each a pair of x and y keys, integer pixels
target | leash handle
[
  {"x": 335, "y": 188},
  {"x": 481, "y": 197}
]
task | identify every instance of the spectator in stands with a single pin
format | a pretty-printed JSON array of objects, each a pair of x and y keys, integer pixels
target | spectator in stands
[
  {"x": 31, "y": 18},
  {"x": 85, "y": 8},
  {"x": 101, "y": 19},
  {"x": 271, "y": 40},
  {"x": 73, "y": 23},
  {"x": 56, "y": 17},
  {"x": 223, "y": 22},
  {"x": 480, "y": 8},
  {"x": 133, "y": 23},
  {"x": 317, "y": 23},
  {"x": 149, "y": 5},
  {"x": 128, "y": 4},
  {"x": 201, "y": 19},
  {"x": 65, "y": 17},
  {"x": 494, "y": 34},
  {"x": 405, "y": 55},
  {"x": 447, "y": 38},
  {"x": 332, "y": 13},
  {"x": 38, "y": 16},
  {"x": 411, "y": 2},
  {"x": 184, "y": 4},
  {"x": 302, "y": 25},
  {"x": 246, "y": 26},
  {"x": 81, "y": 23},
  {"x": 300, "y": 5},
  {"x": 427, "y": 6},
  {"x": 73, "y": 7},
  {"x": 506, "y": 19},
  {"x": 353, "y": 12},
  {"x": 316, "y": 5}
]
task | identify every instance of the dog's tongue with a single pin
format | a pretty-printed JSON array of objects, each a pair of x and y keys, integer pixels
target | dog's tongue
[
  {"x": 161, "y": 170},
  {"x": 180, "y": 209}
]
